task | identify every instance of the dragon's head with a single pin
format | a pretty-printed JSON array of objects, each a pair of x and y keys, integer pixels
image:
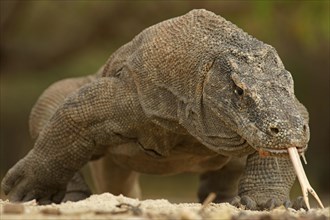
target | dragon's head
[{"x": 252, "y": 93}]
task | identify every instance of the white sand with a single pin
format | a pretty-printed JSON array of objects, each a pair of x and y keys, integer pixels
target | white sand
[{"x": 108, "y": 206}]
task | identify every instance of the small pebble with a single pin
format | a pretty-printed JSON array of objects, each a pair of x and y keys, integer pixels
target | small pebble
[
  {"x": 12, "y": 208},
  {"x": 50, "y": 211}
]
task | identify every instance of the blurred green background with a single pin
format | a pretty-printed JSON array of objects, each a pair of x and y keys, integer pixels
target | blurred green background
[{"x": 44, "y": 41}]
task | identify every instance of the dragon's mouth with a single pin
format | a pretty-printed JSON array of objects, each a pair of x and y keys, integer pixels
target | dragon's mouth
[{"x": 281, "y": 151}]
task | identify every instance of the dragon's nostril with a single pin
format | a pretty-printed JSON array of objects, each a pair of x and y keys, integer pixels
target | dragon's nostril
[
  {"x": 305, "y": 128},
  {"x": 274, "y": 130}
]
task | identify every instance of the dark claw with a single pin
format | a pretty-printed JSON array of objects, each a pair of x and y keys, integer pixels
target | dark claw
[
  {"x": 18, "y": 193},
  {"x": 77, "y": 189},
  {"x": 58, "y": 196},
  {"x": 12, "y": 178},
  {"x": 249, "y": 203},
  {"x": 287, "y": 204},
  {"x": 45, "y": 201},
  {"x": 29, "y": 196},
  {"x": 75, "y": 196},
  {"x": 271, "y": 204},
  {"x": 236, "y": 201},
  {"x": 299, "y": 203}
]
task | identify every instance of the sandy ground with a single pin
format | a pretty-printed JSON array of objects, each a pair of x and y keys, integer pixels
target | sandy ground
[{"x": 108, "y": 206}]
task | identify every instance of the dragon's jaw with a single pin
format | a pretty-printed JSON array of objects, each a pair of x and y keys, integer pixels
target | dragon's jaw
[{"x": 304, "y": 183}]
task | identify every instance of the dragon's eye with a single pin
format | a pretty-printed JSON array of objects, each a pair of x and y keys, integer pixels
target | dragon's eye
[{"x": 239, "y": 91}]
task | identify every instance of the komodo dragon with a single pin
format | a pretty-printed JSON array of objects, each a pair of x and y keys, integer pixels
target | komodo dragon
[{"x": 193, "y": 93}]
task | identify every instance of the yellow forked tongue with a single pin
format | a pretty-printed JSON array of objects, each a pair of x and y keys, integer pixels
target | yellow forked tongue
[{"x": 305, "y": 185}]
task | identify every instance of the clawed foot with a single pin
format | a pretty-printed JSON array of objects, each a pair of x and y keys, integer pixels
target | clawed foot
[
  {"x": 27, "y": 180},
  {"x": 247, "y": 202}
]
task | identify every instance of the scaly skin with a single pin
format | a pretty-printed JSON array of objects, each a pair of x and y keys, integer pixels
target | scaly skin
[{"x": 192, "y": 93}]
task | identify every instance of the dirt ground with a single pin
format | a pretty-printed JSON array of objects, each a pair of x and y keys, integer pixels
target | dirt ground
[{"x": 108, "y": 206}]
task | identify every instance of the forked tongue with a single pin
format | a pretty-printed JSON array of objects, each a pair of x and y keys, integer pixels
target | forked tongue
[{"x": 304, "y": 183}]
